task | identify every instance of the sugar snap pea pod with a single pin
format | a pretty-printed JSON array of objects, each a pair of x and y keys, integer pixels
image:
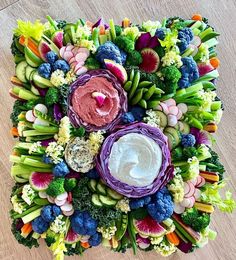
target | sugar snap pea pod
[
  {"x": 144, "y": 84},
  {"x": 208, "y": 85},
  {"x": 145, "y": 90},
  {"x": 128, "y": 85},
  {"x": 131, "y": 76},
  {"x": 152, "y": 104},
  {"x": 134, "y": 85},
  {"x": 137, "y": 97},
  {"x": 143, "y": 103},
  {"x": 150, "y": 92},
  {"x": 159, "y": 91}
]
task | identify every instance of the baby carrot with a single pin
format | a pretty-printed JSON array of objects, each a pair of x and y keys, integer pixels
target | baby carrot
[
  {"x": 102, "y": 29},
  {"x": 85, "y": 244},
  {"x": 14, "y": 131},
  {"x": 26, "y": 229},
  {"x": 215, "y": 62},
  {"x": 173, "y": 238},
  {"x": 197, "y": 17}
]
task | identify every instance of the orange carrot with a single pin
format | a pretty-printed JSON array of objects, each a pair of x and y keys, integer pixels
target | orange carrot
[
  {"x": 27, "y": 228},
  {"x": 197, "y": 17},
  {"x": 215, "y": 62},
  {"x": 102, "y": 29},
  {"x": 173, "y": 238},
  {"x": 15, "y": 153},
  {"x": 85, "y": 244},
  {"x": 30, "y": 44},
  {"x": 14, "y": 131}
]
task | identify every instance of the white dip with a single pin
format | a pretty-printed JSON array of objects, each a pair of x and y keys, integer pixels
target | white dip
[{"x": 135, "y": 159}]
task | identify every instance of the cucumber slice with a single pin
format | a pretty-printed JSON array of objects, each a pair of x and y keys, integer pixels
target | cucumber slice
[
  {"x": 186, "y": 129},
  {"x": 163, "y": 118},
  {"x": 28, "y": 71},
  {"x": 93, "y": 185},
  {"x": 96, "y": 201},
  {"x": 106, "y": 201},
  {"x": 175, "y": 133},
  {"x": 171, "y": 140},
  {"x": 113, "y": 194},
  {"x": 101, "y": 188},
  {"x": 21, "y": 71}
]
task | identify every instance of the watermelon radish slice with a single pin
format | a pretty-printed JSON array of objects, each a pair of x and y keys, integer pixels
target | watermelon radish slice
[
  {"x": 117, "y": 70},
  {"x": 151, "y": 60},
  {"x": 72, "y": 237},
  {"x": 149, "y": 227},
  {"x": 204, "y": 68},
  {"x": 57, "y": 38},
  {"x": 40, "y": 180}
]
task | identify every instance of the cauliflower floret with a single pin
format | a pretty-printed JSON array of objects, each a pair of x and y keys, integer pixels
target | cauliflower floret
[{"x": 28, "y": 194}]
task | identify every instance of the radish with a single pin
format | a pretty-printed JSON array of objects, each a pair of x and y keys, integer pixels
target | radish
[
  {"x": 62, "y": 196},
  {"x": 191, "y": 190},
  {"x": 78, "y": 66},
  {"x": 180, "y": 114},
  {"x": 197, "y": 194},
  {"x": 194, "y": 181},
  {"x": 195, "y": 50},
  {"x": 81, "y": 56},
  {"x": 183, "y": 107},
  {"x": 39, "y": 121},
  {"x": 173, "y": 110},
  {"x": 42, "y": 194},
  {"x": 170, "y": 102},
  {"x": 83, "y": 50},
  {"x": 62, "y": 50},
  {"x": 68, "y": 213},
  {"x": 192, "y": 201},
  {"x": 69, "y": 47},
  {"x": 172, "y": 120},
  {"x": 178, "y": 208},
  {"x": 185, "y": 202},
  {"x": 72, "y": 60},
  {"x": 196, "y": 41},
  {"x": 41, "y": 108},
  {"x": 67, "y": 55},
  {"x": 186, "y": 188},
  {"x": 204, "y": 68},
  {"x": 29, "y": 116},
  {"x": 60, "y": 202},
  {"x": 51, "y": 199},
  {"x": 164, "y": 108},
  {"x": 201, "y": 181},
  {"x": 66, "y": 207},
  {"x": 81, "y": 70}
]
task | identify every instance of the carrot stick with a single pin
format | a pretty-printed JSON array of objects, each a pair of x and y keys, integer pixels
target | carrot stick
[
  {"x": 14, "y": 131},
  {"x": 173, "y": 238},
  {"x": 102, "y": 29},
  {"x": 215, "y": 62},
  {"x": 27, "y": 228},
  {"x": 197, "y": 17},
  {"x": 85, "y": 244},
  {"x": 30, "y": 44}
]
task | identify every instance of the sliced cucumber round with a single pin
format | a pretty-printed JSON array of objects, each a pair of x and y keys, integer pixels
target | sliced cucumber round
[
  {"x": 96, "y": 201},
  {"x": 101, "y": 188},
  {"x": 92, "y": 185},
  {"x": 107, "y": 201},
  {"x": 113, "y": 194}
]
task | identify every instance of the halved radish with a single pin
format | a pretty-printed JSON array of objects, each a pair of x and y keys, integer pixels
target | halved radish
[
  {"x": 60, "y": 202},
  {"x": 197, "y": 194},
  {"x": 81, "y": 56},
  {"x": 183, "y": 107},
  {"x": 84, "y": 50},
  {"x": 72, "y": 59},
  {"x": 173, "y": 110},
  {"x": 196, "y": 41},
  {"x": 194, "y": 181},
  {"x": 62, "y": 196},
  {"x": 50, "y": 199},
  {"x": 69, "y": 47},
  {"x": 62, "y": 50},
  {"x": 165, "y": 108},
  {"x": 170, "y": 102},
  {"x": 172, "y": 120},
  {"x": 178, "y": 208},
  {"x": 191, "y": 190},
  {"x": 81, "y": 70},
  {"x": 192, "y": 201},
  {"x": 29, "y": 116},
  {"x": 41, "y": 108},
  {"x": 67, "y": 207},
  {"x": 73, "y": 64},
  {"x": 42, "y": 194},
  {"x": 195, "y": 50},
  {"x": 185, "y": 202},
  {"x": 67, "y": 55},
  {"x": 68, "y": 213},
  {"x": 77, "y": 66},
  {"x": 200, "y": 181},
  {"x": 180, "y": 114},
  {"x": 186, "y": 188},
  {"x": 39, "y": 121}
]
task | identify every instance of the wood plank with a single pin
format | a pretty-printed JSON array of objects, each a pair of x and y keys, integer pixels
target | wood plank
[{"x": 221, "y": 14}]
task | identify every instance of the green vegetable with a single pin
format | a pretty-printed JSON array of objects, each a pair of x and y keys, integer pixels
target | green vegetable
[
  {"x": 177, "y": 154},
  {"x": 118, "y": 30},
  {"x": 189, "y": 152},
  {"x": 52, "y": 96},
  {"x": 198, "y": 221},
  {"x": 50, "y": 238},
  {"x": 28, "y": 242},
  {"x": 92, "y": 64},
  {"x": 134, "y": 58},
  {"x": 18, "y": 107},
  {"x": 70, "y": 184},
  {"x": 124, "y": 43},
  {"x": 56, "y": 187}
]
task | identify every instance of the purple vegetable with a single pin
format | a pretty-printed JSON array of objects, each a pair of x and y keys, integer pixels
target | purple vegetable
[
  {"x": 165, "y": 173},
  {"x": 201, "y": 136},
  {"x": 185, "y": 247},
  {"x": 73, "y": 174},
  {"x": 57, "y": 112},
  {"x": 143, "y": 243},
  {"x": 83, "y": 79},
  {"x": 42, "y": 91},
  {"x": 47, "y": 142},
  {"x": 100, "y": 22},
  {"x": 145, "y": 40}
]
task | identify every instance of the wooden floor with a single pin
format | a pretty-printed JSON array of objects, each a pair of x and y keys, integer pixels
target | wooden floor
[{"x": 221, "y": 14}]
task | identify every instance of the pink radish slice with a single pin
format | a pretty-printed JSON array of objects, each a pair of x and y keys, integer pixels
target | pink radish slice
[
  {"x": 185, "y": 202},
  {"x": 180, "y": 114},
  {"x": 67, "y": 55},
  {"x": 60, "y": 202},
  {"x": 41, "y": 108},
  {"x": 81, "y": 70},
  {"x": 183, "y": 107},
  {"x": 81, "y": 56},
  {"x": 72, "y": 59},
  {"x": 194, "y": 181},
  {"x": 75, "y": 50},
  {"x": 201, "y": 183},
  {"x": 30, "y": 116},
  {"x": 77, "y": 66},
  {"x": 164, "y": 108},
  {"x": 178, "y": 208},
  {"x": 191, "y": 190},
  {"x": 62, "y": 196},
  {"x": 173, "y": 110},
  {"x": 196, "y": 41},
  {"x": 84, "y": 50},
  {"x": 192, "y": 201},
  {"x": 68, "y": 213},
  {"x": 39, "y": 121},
  {"x": 69, "y": 47},
  {"x": 186, "y": 188},
  {"x": 172, "y": 120},
  {"x": 73, "y": 64},
  {"x": 66, "y": 207},
  {"x": 42, "y": 194},
  {"x": 170, "y": 102},
  {"x": 62, "y": 50},
  {"x": 51, "y": 199},
  {"x": 197, "y": 194}
]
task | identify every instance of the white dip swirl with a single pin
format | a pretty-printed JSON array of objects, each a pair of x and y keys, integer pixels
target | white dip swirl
[{"x": 135, "y": 159}]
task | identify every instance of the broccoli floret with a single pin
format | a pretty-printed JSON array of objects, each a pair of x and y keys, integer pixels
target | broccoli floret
[
  {"x": 52, "y": 96},
  {"x": 110, "y": 51},
  {"x": 171, "y": 76},
  {"x": 50, "y": 238},
  {"x": 14, "y": 49},
  {"x": 32, "y": 103},
  {"x": 161, "y": 207},
  {"x": 61, "y": 24},
  {"x": 118, "y": 30},
  {"x": 92, "y": 64},
  {"x": 70, "y": 184},
  {"x": 189, "y": 152},
  {"x": 198, "y": 221},
  {"x": 189, "y": 71},
  {"x": 56, "y": 187},
  {"x": 177, "y": 154},
  {"x": 134, "y": 58},
  {"x": 18, "y": 107},
  {"x": 29, "y": 241},
  {"x": 124, "y": 43}
]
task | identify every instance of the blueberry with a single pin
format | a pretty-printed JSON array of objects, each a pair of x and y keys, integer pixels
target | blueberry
[
  {"x": 45, "y": 70},
  {"x": 61, "y": 65},
  {"x": 51, "y": 57}
]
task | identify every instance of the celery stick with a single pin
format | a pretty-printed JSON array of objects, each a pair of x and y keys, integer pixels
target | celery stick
[
  {"x": 195, "y": 88},
  {"x": 212, "y": 42},
  {"x": 197, "y": 24},
  {"x": 20, "y": 180},
  {"x": 112, "y": 29},
  {"x": 202, "y": 167},
  {"x": 188, "y": 52},
  {"x": 208, "y": 77},
  {"x": 180, "y": 92},
  {"x": 205, "y": 33},
  {"x": 95, "y": 36},
  {"x": 196, "y": 31},
  {"x": 31, "y": 216},
  {"x": 15, "y": 159},
  {"x": 36, "y": 235},
  {"x": 27, "y": 133},
  {"x": 28, "y": 211},
  {"x": 36, "y": 163},
  {"x": 46, "y": 129},
  {"x": 102, "y": 38},
  {"x": 72, "y": 31},
  {"x": 52, "y": 22}
]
